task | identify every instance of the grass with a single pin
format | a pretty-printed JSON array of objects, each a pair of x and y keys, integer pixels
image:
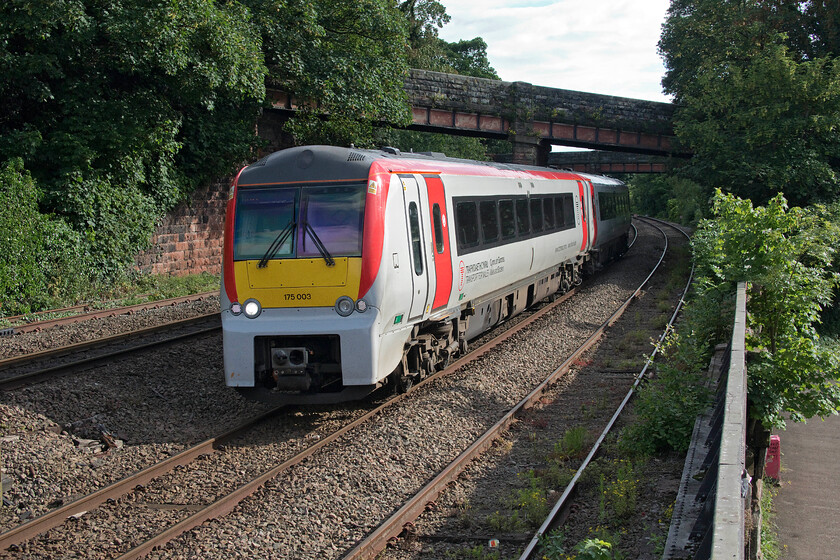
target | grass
[
  {"x": 769, "y": 539},
  {"x": 163, "y": 287},
  {"x": 141, "y": 289}
]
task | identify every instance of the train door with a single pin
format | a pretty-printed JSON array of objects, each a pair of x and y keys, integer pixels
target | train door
[
  {"x": 416, "y": 246},
  {"x": 593, "y": 213},
  {"x": 440, "y": 246},
  {"x": 584, "y": 218}
]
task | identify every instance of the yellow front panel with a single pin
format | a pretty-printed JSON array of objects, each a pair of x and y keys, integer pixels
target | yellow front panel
[
  {"x": 298, "y": 282},
  {"x": 297, "y": 273}
]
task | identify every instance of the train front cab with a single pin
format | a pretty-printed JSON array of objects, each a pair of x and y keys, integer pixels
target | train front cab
[
  {"x": 293, "y": 321},
  {"x": 308, "y": 330}
]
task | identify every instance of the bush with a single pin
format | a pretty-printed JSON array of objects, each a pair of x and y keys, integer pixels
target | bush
[
  {"x": 43, "y": 259},
  {"x": 785, "y": 254},
  {"x": 668, "y": 405}
]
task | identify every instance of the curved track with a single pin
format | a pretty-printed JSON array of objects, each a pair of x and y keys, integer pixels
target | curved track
[
  {"x": 561, "y": 507},
  {"x": 377, "y": 541},
  {"x": 227, "y": 502}
]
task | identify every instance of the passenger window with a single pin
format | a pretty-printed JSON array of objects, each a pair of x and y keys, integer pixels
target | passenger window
[
  {"x": 489, "y": 220},
  {"x": 466, "y": 224},
  {"x": 568, "y": 211},
  {"x": 416, "y": 244},
  {"x": 507, "y": 218},
  {"x": 548, "y": 209},
  {"x": 438, "y": 222},
  {"x": 523, "y": 224},
  {"x": 559, "y": 213},
  {"x": 536, "y": 214}
]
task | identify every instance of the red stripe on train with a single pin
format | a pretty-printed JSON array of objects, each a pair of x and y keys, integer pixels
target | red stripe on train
[{"x": 227, "y": 251}]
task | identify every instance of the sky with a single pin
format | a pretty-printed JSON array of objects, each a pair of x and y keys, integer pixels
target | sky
[{"x": 597, "y": 46}]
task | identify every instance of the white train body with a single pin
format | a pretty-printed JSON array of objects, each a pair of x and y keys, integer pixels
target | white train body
[{"x": 345, "y": 269}]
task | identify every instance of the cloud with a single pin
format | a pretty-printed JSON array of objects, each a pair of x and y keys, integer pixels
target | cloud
[{"x": 600, "y": 46}]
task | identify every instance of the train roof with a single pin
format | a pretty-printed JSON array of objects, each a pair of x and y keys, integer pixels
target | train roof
[{"x": 333, "y": 163}]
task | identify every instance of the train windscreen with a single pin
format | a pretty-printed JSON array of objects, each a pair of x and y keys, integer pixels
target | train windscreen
[{"x": 299, "y": 222}]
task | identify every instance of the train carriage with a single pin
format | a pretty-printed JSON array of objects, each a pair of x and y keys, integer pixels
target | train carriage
[{"x": 347, "y": 269}]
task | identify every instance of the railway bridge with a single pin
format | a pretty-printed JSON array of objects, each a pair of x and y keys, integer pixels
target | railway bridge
[{"x": 532, "y": 117}]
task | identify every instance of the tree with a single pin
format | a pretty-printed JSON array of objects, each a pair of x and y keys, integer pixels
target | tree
[
  {"x": 345, "y": 62},
  {"x": 469, "y": 58},
  {"x": 428, "y": 52},
  {"x": 761, "y": 113},
  {"x": 424, "y": 18},
  {"x": 666, "y": 196},
  {"x": 120, "y": 109},
  {"x": 785, "y": 255}
]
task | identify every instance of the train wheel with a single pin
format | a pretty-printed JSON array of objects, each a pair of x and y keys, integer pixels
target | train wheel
[
  {"x": 462, "y": 346},
  {"x": 401, "y": 382}
]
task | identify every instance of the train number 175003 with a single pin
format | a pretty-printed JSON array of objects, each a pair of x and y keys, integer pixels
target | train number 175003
[{"x": 297, "y": 297}]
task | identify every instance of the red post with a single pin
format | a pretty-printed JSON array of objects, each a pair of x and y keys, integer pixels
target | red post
[{"x": 773, "y": 458}]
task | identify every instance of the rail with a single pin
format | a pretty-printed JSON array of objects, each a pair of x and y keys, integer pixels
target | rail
[
  {"x": 373, "y": 545},
  {"x": 715, "y": 495}
]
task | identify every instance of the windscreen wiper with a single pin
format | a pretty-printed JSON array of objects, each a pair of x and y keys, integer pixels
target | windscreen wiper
[
  {"x": 318, "y": 244},
  {"x": 277, "y": 243}
]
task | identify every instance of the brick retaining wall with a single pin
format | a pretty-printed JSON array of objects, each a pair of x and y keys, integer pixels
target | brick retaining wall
[{"x": 189, "y": 240}]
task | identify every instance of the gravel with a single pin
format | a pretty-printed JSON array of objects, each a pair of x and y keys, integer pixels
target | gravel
[
  {"x": 161, "y": 402},
  {"x": 93, "y": 329}
]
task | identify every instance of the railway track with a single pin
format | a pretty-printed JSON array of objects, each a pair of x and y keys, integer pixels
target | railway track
[
  {"x": 218, "y": 447},
  {"x": 461, "y": 522},
  {"x": 560, "y": 510},
  {"x": 79, "y": 313},
  {"x": 227, "y": 502},
  {"x": 375, "y": 543},
  {"x": 24, "y": 370}
]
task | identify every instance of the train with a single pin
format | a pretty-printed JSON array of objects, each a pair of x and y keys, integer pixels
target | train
[{"x": 346, "y": 270}]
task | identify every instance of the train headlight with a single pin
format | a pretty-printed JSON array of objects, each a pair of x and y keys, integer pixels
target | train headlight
[
  {"x": 235, "y": 308},
  {"x": 344, "y": 306},
  {"x": 361, "y": 306},
  {"x": 252, "y": 308}
]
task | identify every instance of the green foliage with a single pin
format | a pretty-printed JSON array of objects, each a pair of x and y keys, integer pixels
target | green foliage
[
  {"x": 553, "y": 545},
  {"x": 504, "y": 522},
  {"x": 830, "y": 315},
  {"x": 162, "y": 287},
  {"x": 770, "y": 547},
  {"x": 120, "y": 110},
  {"x": 344, "y": 60},
  {"x": 667, "y": 406},
  {"x": 429, "y": 52},
  {"x": 42, "y": 256},
  {"x": 478, "y": 552},
  {"x": 619, "y": 492},
  {"x": 424, "y": 18},
  {"x": 786, "y": 256},
  {"x": 595, "y": 549},
  {"x": 452, "y": 146},
  {"x": 669, "y": 197},
  {"x": 601, "y": 546},
  {"x": 572, "y": 445},
  {"x": 760, "y": 112},
  {"x": 532, "y": 500},
  {"x": 469, "y": 58}
]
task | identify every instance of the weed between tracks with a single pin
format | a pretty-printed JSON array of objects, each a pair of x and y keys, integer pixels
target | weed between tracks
[{"x": 625, "y": 498}]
